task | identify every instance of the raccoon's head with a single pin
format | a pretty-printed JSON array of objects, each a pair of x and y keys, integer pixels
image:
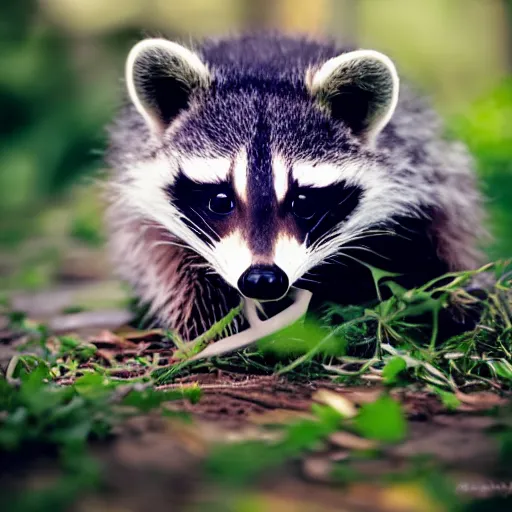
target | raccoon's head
[{"x": 263, "y": 170}]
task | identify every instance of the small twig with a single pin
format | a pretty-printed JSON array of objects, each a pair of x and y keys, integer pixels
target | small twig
[
  {"x": 261, "y": 329},
  {"x": 246, "y": 384},
  {"x": 13, "y": 363}
]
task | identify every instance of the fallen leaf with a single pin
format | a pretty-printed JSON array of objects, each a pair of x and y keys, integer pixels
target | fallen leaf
[
  {"x": 363, "y": 395},
  {"x": 149, "y": 335},
  {"x": 317, "y": 468},
  {"x": 108, "y": 338},
  {"x": 479, "y": 401},
  {"x": 337, "y": 401},
  {"x": 278, "y": 417},
  {"x": 339, "y": 455},
  {"x": 108, "y": 355},
  {"x": 345, "y": 439}
]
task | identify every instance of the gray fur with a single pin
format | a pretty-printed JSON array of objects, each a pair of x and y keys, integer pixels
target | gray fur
[{"x": 260, "y": 85}]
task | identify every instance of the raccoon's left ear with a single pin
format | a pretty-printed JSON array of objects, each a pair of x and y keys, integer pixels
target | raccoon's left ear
[
  {"x": 160, "y": 77},
  {"x": 359, "y": 87}
]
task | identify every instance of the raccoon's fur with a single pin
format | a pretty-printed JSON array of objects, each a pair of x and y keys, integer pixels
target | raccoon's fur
[{"x": 255, "y": 163}]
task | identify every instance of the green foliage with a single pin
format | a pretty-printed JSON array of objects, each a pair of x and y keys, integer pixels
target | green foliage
[
  {"x": 47, "y": 136},
  {"x": 73, "y": 347},
  {"x": 398, "y": 341},
  {"x": 68, "y": 416},
  {"x": 382, "y": 342},
  {"x": 52, "y": 113},
  {"x": 222, "y": 328},
  {"x": 302, "y": 337},
  {"x": 382, "y": 420},
  {"x": 39, "y": 416},
  {"x": 487, "y": 130},
  {"x": 53, "y": 106},
  {"x": 87, "y": 223},
  {"x": 147, "y": 399},
  {"x": 240, "y": 463},
  {"x": 448, "y": 399},
  {"x": 392, "y": 369}
]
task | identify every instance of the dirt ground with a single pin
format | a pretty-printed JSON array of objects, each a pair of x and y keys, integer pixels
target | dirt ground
[
  {"x": 158, "y": 463},
  {"x": 153, "y": 461}
]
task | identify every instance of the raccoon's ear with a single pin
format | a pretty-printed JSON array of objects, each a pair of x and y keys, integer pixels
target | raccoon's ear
[
  {"x": 160, "y": 76},
  {"x": 359, "y": 87}
]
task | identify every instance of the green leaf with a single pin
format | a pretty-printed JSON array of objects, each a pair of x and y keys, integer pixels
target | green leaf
[
  {"x": 301, "y": 337},
  {"x": 448, "y": 399},
  {"x": 241, "y": 463},
  {"x": 382, "y": 420},
  {"x": 502, "y": 368},
  {"x": 393, "y": 368},
  {"x": 305, "y": 434},
  {"x": 93, "y": 386},
  {"x": 150, "y": 399},
  {"x": 33, "y": 380},
  {"x": 8, "y": 395}
]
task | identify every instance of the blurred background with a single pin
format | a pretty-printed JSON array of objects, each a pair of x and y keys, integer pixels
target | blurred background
[{"x": 61, "y": 66}]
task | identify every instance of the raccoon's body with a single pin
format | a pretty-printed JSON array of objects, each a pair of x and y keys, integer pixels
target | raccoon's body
[{"x": 256, "y": 163}]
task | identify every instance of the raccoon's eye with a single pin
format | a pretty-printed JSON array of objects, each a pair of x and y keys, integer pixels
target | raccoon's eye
[
  {"x": 221, "y": 204},
  {"x": 303, "y": 207}
]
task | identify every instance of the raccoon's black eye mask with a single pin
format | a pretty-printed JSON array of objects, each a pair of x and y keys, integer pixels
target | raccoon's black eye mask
[
  {"x": 303, "y": 206},
  {"x": 214, "y": 199},
  {"x": 207, "y": 207},
  {"x": 203, "y": 205},
  {"x": 318, "y": 209}
]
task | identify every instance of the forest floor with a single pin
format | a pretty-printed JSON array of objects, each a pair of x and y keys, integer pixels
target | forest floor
[{"x": 96, "y": 414}]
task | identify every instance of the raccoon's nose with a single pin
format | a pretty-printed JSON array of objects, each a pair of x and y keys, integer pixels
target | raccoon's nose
[{"x": 263, "y": 282}]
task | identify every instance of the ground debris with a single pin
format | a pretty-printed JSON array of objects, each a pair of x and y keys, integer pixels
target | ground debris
[{"x": 162, "y": 456}]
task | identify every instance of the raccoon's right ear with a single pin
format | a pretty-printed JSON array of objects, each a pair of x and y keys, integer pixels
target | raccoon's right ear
[
  {"x": 161, "y": 76},
  {"x": 360, "y": 88}
]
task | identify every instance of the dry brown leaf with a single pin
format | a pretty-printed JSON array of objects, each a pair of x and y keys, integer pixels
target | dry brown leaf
[
  {"x": 479, "y": 401},
  {"x": 108, "y": 338},
  {"x": 344, "y": 439},
  {"x": 107, "y": 355},
  {"x": 339, "y": 455},
  {"x": 129, "y": 333},
  {"x": 337, "y": 401},
  {"x": 278, "y": 417},
  {"x": 317, "y": 468},
  {"x": 363, "y": 395}
]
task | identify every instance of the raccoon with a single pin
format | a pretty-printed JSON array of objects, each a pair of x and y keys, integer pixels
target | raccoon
[{"x": 252, "y": 164}]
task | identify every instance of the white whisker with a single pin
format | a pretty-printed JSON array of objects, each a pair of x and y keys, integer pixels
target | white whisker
[
  {"x": 364, "y": 248},
  {"x": 215, "y": 234},
  {"x": 309, "y": 280},
  {"x": 159, "y": 243}
]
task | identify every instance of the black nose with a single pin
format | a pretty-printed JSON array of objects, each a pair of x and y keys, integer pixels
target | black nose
[{"x": 263, "y": 282}]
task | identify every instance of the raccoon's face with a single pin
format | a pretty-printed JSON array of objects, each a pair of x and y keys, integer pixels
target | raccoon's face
[{"x": 265, "y": 177}]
